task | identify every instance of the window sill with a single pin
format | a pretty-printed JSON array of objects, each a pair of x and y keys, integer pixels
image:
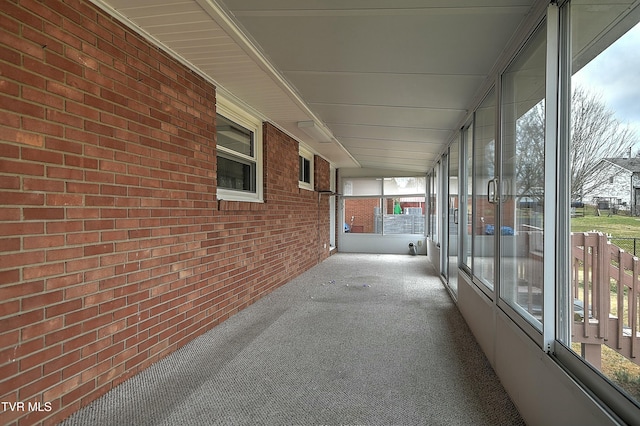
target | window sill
[{"x": 306, "y": 186}]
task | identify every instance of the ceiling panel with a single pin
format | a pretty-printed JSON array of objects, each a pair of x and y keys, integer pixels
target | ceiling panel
[
  {"x": 381, "y": 89},
  {"x": 397, "y": 116},
  {"x": 390, "y": 134},
  {"x": 391, "y": 79},
  {"x": 408, "y": 43}
]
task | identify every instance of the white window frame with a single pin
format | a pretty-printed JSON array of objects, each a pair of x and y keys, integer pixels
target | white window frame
[
  {"x": 235, "y": 113},
  {"x": 307, "y": 155}
]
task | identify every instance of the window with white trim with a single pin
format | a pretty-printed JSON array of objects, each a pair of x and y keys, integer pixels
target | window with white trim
[
  {"x": 305, "y": 171},
  {"x": 239, "y": 153}
]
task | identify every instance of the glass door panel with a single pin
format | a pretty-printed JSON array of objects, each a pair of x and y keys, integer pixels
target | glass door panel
[
  {"x": 483, "y": 205},
  {"x": 602, "y": 310},
  {"x": 466, "y": 190},
  {"x": 433, "y": 205},
  {"x": 522, "y": 181},
  {"x": 443, "y": 216},
  {"x": 454, "y": 215}
]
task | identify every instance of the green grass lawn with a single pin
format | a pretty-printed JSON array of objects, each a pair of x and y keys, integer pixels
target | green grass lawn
[{"x": 616, "y": 225}]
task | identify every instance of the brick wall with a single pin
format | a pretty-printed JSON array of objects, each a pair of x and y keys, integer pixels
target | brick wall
[
  {"x": 114, "y": 251},
  {"x": 362, "y": 210}
]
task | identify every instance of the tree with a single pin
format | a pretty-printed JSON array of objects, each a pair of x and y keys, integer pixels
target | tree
[
  {"x": 529, "y": 172},
  {"x": 596, "y": 134}
]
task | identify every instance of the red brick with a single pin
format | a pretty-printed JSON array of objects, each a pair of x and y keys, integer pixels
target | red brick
[
  {"x": 21, "y": 168},
  {"x": 23, "y": 379},
  {"x": 41, "y": 155},
  {"x": 43, "y": 185},
  {"x": 64, "y": 227},
  {"x": 63, "y": 145},
  {"x": 64, "y": 281},
  {"x": 22, "y": 15},
  {"x": 95, "y": 225},
  {"x": 82, "y": 264},
  {"x": 22, "y": 108},
  {"x": 9, "y": 214},
  {"x": 14, "y": 58},
  {"x": 8, "y": 370},
  {"x": 42, "y": 241},
  {"x": 43, "y": 214},
  {"x": 78, "y": 393},
  {"x": 83, "y": 213},
  {"x": 83, "y": 188},
  {"x": 41, "y": 328},
  {"x": 21, "y": 228},
  {"x": 42, "y": 127},
  {"x": 84, "y": 60},
  {"x": 29, "y": 273},
  {"x": 41, "y": 300},
  {"x": 9, "y": 182},
  {"x": 40, "y": 38},
  {"x": 99, "y": 274},
  {"x": 53, "y": 310},
  {"x": 63, "y": 254},
  {"x": 98, "y": 249},
  {"x": 64, "y": 173},
  {"x": 99, "y": 177},
  {"x": 57, "y": 364},
  {"x": 9, "y": 244},
  {"x": 21, "y": 259},
  {"x": 61, "y": 388},
  {"x": 80, "y": 341},
  {"x": 8, "y": 277},
  {"x": 63, "y": 63},
  {"x": 64, "y": 200},
  {"x": 39, "y": 96},
  {"x": 19, "y": 321},
  {"x": 9, "y": 151},
  {"x": 62, "y": 334},
  {"x": 22, "y": 198},
  {"x": 9, "y": 308},
  {"x": 78, "y": 367},
  {"x": 83, "y": 238},
  {"x": 81, "y": 136}
]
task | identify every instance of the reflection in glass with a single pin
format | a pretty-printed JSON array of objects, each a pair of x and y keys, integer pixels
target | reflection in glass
[
  {"x": 522, "y": 181},
  {"x": 466, "y": 221},
  {"x": 403, "y": 215},
  {"x": 433, "y": 204},
  {"x": 454, "y": 216},
  {"x": 235, "y": 174},
  {"x": 484, "y": 210},
  {"x": 397, "y": 215},
  {"x": 360, "y": 215},
  {"x": 233, "y": 136},
  {"x": 603, "y": 308}
]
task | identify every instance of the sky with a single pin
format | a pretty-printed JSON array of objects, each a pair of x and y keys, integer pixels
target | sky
[{"x": 615, "y": 76}]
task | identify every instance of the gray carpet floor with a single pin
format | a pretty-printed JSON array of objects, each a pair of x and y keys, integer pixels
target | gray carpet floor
[{"x": 359, "y": 339}]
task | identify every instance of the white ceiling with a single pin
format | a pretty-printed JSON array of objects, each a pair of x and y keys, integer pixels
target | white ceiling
[{"x": 390, "y": 79}]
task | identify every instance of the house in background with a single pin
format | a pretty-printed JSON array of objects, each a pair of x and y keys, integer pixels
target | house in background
[{"x": 620, "y": 185}]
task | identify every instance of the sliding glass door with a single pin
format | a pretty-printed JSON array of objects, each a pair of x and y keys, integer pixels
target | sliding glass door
[
  {"x": 453, "y": 206},
  {"x": 484, "y": 201},
  {"x": 522, "y": 180}
]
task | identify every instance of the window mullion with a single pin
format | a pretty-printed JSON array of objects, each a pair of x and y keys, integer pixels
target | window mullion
[{"x": 550, "y": 182}]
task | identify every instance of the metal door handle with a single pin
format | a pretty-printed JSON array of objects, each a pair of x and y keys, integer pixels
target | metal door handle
[{"x": 491, "y": 191}]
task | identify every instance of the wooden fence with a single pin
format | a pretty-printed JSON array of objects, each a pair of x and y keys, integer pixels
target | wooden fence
[{"x": 606, "y": 291}]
